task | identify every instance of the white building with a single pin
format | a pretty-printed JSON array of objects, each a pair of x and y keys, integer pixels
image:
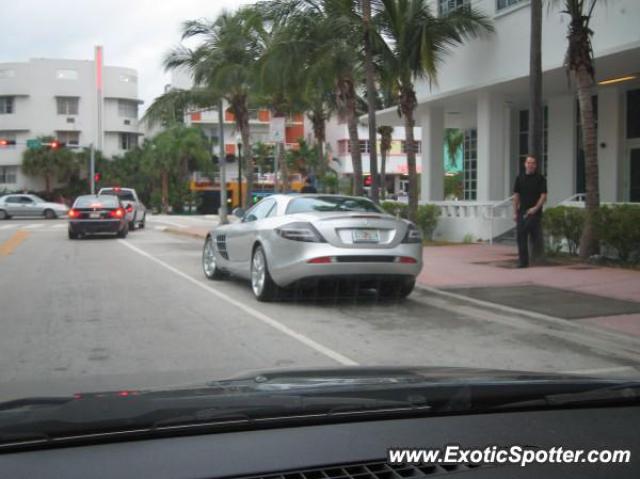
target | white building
[
  {"x": 339, "y": 148},
  {"x": 482, "y": 88},
  {"x": 59, "y": 98}
]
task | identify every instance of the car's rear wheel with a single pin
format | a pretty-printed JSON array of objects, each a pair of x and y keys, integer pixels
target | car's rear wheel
[
  {"x": 263, "y": 286},
  {"x": 73, "y": 235},
  {"x": 50, "y": 214},
  {"x": 132, "y": 225},
  {"x": 209, "y": 262},
  {"x": 123, "y": 232},
  {"x": 4, "y": 215},
  {"x": 143, "y": 222},
  {"x": 397, "y": 289}
]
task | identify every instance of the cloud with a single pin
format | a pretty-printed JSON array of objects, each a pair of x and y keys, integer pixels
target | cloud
[{"x": 134, "y": 33}]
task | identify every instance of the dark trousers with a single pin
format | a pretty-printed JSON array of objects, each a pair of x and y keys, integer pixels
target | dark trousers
[{"x": 529, "y": 229}]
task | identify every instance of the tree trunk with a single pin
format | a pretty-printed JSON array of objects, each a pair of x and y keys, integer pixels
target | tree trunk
[
  {"x": 383, "y": 173},
  {"x": 371, "y": 102},
  {"x": 535, "y": 86},
  {"x": 319, "y": 132},
  {"x": 165, "y": 192},
  {"x": 408, "y": 104},
  {"x": 588, "y": 241}
]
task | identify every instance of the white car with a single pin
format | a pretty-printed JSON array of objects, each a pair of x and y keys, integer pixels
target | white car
[
  {"x": 136, "y": 211},
  {"x": 26, "y": 205}
]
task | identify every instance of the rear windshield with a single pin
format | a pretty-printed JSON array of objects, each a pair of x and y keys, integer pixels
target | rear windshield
[
  {"x": 123, "y": 195},
  {"x": 331, "y": 203},
  {"x": 103, "y": 201}
]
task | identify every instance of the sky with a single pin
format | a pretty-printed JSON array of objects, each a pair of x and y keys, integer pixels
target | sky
[{"x": 134, "y": 33}]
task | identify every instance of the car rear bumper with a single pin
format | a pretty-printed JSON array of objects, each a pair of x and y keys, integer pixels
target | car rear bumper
[
  {"x": 95, "y": 226},
  {"x": 289, "y": 261}
]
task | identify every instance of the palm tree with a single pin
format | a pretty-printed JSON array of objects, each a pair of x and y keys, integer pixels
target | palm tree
[
  {"x": 226, "y": 62},
  {"x": 386, "y": 133},
  {"x": 454, "y": 140},
  {"x": 580, "y": 68},
  {"x": 369, "y": 69},
  {"x": 316, "y": 39},
  {"x": 50, "y": 163},
  {"x": 413, "y": 42}
]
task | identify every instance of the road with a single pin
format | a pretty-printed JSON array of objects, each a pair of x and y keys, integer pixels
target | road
[{"x": 102, "y": 314}]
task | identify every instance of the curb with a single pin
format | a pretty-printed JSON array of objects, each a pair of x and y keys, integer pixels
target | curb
[{"x": 184, "y": 232}]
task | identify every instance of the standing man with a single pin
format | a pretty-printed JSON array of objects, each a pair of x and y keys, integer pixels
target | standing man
[{"x": 529, "y": 194}]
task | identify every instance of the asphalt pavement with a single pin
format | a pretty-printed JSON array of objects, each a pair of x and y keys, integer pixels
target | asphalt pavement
[{"x": 103, "y": 314}]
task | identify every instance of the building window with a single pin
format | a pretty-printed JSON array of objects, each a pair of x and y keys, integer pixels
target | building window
[
  {"x": 66, "y": 75},
  {"x": 67, "y": 105},
  {"x": 523, "y": 140},
  {"x": 127, "y": 109},
  {"x": 470, "y": 165},
  {"x": 128, "y": 78},
  {"x": 7, "y": 74},
  {"x": 633, "y": 114},
  {"x": 8, "y": 175},
  {"x": 580, "y": 166},
  {"x": 448, "y": 6},
  {"x": 128, "y": 141},
  {"x": 6, "y": 105},
  {"x": 68, "y": 137},
  {"x": 418, "y": 145},
  {"x": 364, "y": 146},
  {"x": 502, "y": 4}
]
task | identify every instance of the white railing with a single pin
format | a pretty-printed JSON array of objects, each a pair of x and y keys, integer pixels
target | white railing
[{"x": 500, "y": 210}]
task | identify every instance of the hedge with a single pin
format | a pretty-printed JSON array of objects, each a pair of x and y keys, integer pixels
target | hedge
[{"x": 427, "y": 217}]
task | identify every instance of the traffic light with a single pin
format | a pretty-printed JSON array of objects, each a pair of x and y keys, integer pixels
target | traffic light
[
  {"x": 368, "y": 180},
  {"x": 4, "y": 142},
  {"x": 97, "y": 177},
  {"x": 55, "y": 144}
]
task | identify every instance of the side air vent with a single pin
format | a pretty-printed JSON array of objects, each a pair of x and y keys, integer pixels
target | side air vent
[
  {"x": 221, "y": 244},
  {"x": 370, "y": 470}
]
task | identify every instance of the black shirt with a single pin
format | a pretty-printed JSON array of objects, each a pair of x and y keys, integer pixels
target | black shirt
[{"x": 530, "y": 188}]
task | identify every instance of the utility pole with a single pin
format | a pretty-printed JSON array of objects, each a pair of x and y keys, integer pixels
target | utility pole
[
  {"x": 92, "y": 168},
  {"x": 222, "y": 212}
]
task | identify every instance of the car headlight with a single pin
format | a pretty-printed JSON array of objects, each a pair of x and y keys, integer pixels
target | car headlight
[
  {"x": 413, "y": 235},
  {"x": 300, "y": 231}
]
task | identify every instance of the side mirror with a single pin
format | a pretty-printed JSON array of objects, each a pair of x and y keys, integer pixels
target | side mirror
[{"x": 238, "y": 213}]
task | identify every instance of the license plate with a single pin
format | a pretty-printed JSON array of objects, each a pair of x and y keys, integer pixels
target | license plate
[
  {"x": 94, "y": 215},
  {"x": 366, "y": 236}
]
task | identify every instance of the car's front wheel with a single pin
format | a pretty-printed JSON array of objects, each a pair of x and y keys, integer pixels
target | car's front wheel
[
  {"x": 263, "y": 286},
  {"x": 4, "y": 215},
  {"x": 209, "y": 262},
  {"x": 50, "y": 214}
]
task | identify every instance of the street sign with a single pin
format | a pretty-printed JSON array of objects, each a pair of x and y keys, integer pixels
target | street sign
[
  {"x": 34, "y": 144},
  {"x": 277, "y": 129}
]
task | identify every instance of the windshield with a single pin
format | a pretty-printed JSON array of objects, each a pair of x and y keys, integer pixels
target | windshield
[
  {"x": 310, "y": 194},
  {"x": 331, "y": 203},
  {"x": 123, "y": 195},
  {"x": 96, "y": 202}
]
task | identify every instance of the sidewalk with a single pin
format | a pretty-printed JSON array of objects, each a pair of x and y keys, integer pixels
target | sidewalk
[{"x": 598, "y": 296}]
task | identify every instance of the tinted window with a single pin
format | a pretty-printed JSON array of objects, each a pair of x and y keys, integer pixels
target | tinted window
[
  {"x": 12, "y": 199},
  {"x": 259, "y": 211},
  {"x": 331, "y": 203},
  {"x": 96, "y": 202},
  {"x": 123, "y": 195},
  {"x": 25, "y": 200}
]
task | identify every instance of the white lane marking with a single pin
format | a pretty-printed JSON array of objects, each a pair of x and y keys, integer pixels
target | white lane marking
[
  {"x": 336, "y": 356},
  {"x": 33, "y": 226},
  {"x": 7, "y": 227},
  {"x": 601, "y": 370},
  {"x": 160, "y": 228},
  {"x": 170, "y": 223},
  {"x": 62, "y": 225}
]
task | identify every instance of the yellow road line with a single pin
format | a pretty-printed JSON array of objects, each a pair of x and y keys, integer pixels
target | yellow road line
[{"x": 12, "y": 243}]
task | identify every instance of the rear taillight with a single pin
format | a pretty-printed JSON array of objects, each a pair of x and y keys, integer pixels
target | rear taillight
[
  {"x": 73, "y": 213},
  {"x": 118, "y": 213},
  {"x": 413, "y": 235},
  {"x": 129, "y": 209},
  {"x": 300, "y": 231}
]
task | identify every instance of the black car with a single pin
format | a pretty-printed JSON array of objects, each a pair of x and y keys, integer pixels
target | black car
[{"x": 97, "y": 214}]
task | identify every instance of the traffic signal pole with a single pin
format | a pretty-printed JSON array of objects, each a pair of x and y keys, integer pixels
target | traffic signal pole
[{"x": 92, "y": 168}]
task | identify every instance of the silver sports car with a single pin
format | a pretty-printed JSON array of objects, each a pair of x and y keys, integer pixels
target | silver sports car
[{"x": 286, "y": 240}]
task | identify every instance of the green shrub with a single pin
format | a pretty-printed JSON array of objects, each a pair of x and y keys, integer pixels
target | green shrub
[
  {"x": 563, "y": 223},
  {"x": 395, "y": 208},
  {"x": 468, "y": 238},
  {"x": 427, "y": 220},
  {"x": 618, "y": 227}
]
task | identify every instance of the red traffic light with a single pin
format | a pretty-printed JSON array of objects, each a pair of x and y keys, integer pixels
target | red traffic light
[
  {"x": 97, "y": 177},
  {"x": 368, "y": 180},
  {"x": 55, "y": 145},
  {"x": 5, "y": 142}
]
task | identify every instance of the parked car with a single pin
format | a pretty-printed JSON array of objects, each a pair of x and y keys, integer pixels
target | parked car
[
  {"x": 136, "y": 211},
  {"x": 97, "y": 214},
  {"x": 300, "y": 239},
  {"x": 30, "y": 206}
]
